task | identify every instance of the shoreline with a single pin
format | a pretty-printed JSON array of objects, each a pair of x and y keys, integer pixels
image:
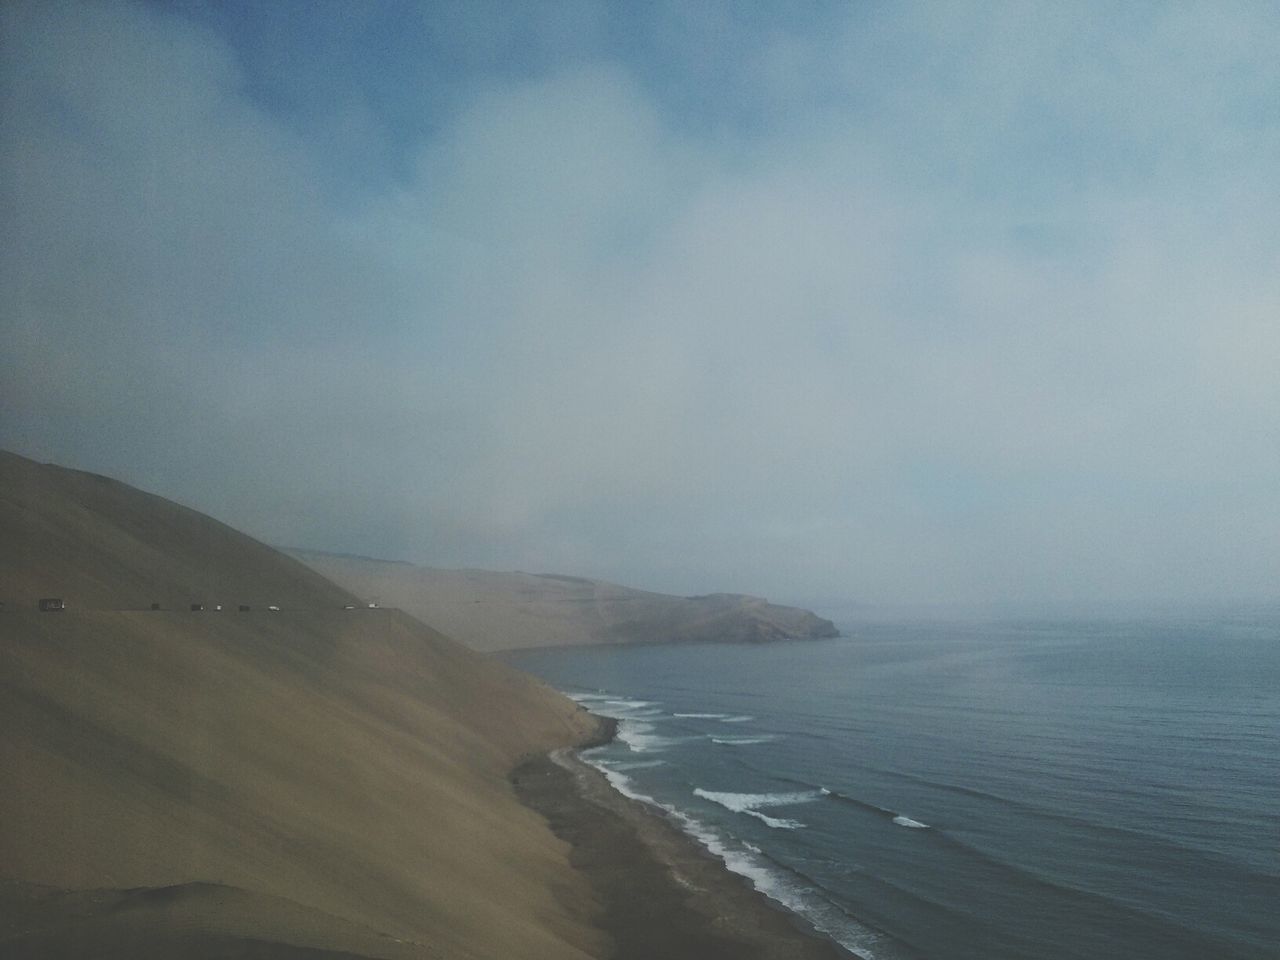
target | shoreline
[{"x": 660, "y": 893}]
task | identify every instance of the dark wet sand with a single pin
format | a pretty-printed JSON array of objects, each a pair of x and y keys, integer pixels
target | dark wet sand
[{"x": 661, "y": 894}]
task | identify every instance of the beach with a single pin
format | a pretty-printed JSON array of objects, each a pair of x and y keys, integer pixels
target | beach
[{"x": 660, "y": 893}]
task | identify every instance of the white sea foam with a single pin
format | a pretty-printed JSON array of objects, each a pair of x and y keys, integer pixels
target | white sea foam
[
  {"x": 638, "y": 735},
  {"x": 635, "y": 764},
  {"x": 744, "y": 801},
  {"x": 621, "y": 782},
  {"x": 825, "y": 916},
  {"x": 902, "y": 821},
  {"x": 778, "y": 823},
  {"x": 702, "y": 716},
  {"x": 612, "y": 705},
  {"x": 619, "y": 708},
  {"x": 751, "y": 803},
  {"x": 743, "y": 718},
  {"x": 742, "y": 741},
  {"x": 631, "y": 704}
]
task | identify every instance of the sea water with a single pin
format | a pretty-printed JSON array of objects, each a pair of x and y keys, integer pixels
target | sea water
[{"x": 1040, "y": 791}]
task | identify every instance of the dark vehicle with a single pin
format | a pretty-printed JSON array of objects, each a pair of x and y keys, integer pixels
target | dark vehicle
[
  {"x": 155, "y": 606},
  {"x": 52, "y": 603},
  {"x": 197, "y": 606},
  {"x": 244, "y": 608}
]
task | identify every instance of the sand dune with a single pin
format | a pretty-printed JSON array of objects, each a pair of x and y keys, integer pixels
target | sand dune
[
  {"x": 491, "y": 611},
  {"x": 310, "y": 784},
  {"x": 314, "y": 782},
  {"x": 105, "y": 545}
]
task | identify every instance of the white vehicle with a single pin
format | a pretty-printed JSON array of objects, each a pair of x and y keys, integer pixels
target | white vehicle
[{"x": 276, "y": 609}]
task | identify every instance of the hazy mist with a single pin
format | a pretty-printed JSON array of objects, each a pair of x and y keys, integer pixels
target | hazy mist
[{"x": 903, "y": 303}]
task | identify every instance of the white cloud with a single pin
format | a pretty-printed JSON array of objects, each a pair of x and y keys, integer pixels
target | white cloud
[{"x": 904, "y": 344}]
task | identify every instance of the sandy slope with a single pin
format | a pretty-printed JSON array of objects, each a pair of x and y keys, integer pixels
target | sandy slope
[
  {"x": 103, "y": 544},
  {"x": 314, "y": 782},
  {"x": 505, "y": 611}
]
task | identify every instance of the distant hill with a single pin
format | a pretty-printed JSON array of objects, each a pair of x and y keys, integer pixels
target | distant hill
[
  {"x": 316, "y": 782},
  {"x": 505, "y": 611}
]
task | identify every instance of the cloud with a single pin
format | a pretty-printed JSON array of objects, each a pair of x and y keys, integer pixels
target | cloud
[{"x": 943, "y": 306}]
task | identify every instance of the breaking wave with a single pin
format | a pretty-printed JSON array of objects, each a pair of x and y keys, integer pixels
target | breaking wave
[
  {"x": 638, "y": 735},
  {"x": 634, "y": 764},
  {"x": 902, "y": 821},
  {"x": 751, "y": 803},
  {"x": 771, "y": 879}
]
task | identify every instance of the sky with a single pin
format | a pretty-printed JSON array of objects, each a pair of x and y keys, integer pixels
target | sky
[{"x": 927, "y": 303}]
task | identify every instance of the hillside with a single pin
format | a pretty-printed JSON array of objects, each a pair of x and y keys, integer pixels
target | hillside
[
  {"x": 314, "y": 782},
  {"x": 505, "y": 611},
  {"x": 102, "y": 544}
]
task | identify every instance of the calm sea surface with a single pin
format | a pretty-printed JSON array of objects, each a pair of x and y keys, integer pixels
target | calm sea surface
[{"x": 973, "y": 792}]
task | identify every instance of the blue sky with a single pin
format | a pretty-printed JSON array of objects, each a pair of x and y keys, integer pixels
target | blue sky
[{"x": 902, "y": 303}]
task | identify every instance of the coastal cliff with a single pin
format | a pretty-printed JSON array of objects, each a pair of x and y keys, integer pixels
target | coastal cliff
[{"x": 491, "y": 611}]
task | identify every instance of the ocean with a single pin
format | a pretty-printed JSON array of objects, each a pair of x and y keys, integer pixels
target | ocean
[{"x": 964, "y": 791}]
